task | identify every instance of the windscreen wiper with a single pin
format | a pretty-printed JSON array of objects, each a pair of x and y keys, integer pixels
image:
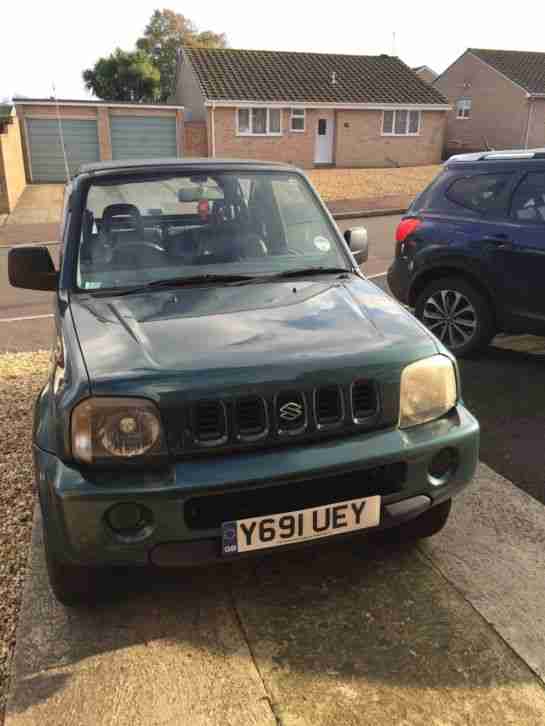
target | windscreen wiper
[
  {"x": 301, "y": 271},
  {"x": 177, "y": 282}
]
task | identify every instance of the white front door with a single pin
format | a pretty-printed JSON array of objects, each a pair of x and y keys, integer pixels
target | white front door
[{"x": 325, "y": 127}]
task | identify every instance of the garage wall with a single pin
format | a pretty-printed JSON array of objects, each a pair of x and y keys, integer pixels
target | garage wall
[
  {"x": 12, "y": 169},
  {"x": 136, "y": 131},
  {"x": 45, "y": 147},
  {"x": 151, "y": 137}
]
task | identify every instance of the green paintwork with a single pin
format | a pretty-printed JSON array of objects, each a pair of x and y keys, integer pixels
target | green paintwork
[{"x": 177, "y": 345}]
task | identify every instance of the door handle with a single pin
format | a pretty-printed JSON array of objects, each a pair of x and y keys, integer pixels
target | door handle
[{"x": 500, "y": 240}]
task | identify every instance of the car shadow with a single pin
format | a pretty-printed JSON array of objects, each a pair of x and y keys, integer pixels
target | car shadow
[
  {"x": 504, "y": 388},
  {"x": 356, "y": 613}
]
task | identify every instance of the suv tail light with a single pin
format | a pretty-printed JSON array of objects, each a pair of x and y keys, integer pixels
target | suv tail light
[{"x": 404, "y": 229}]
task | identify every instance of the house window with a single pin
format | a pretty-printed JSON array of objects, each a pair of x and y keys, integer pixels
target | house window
[
  {"x": 401, "y": 122},
  {"x": 258, "y": 122},
  {"x": 297, "y": 119},
  {"x": 463, "y": 108}
]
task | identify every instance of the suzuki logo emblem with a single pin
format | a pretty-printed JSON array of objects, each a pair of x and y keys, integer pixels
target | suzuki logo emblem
[{"x": 291, "y": 411}]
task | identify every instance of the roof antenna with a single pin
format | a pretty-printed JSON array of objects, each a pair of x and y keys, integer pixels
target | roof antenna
[
  {"x": 333, "y": 78},
  {"x": 61, "y": 135},
  {"x": 394, "y": 43}
]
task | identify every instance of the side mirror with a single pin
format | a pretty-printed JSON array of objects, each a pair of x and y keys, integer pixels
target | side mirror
[
  {"x": 357, "y": 240},
  {"x": 32, "y": 268}
]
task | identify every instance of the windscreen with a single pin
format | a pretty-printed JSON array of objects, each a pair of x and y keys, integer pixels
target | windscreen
[{"x": 140, "y": 230}]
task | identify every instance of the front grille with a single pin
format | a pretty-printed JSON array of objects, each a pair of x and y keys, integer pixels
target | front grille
[
  {"x": 251, "y": 420},
  {"x": 364, "y": 400},
  {"x": 210, "y": 423},
  {"x": 208, "y": 512},
  {"x": 275, "y": 419},
  {"x": 329, "y": 406}
]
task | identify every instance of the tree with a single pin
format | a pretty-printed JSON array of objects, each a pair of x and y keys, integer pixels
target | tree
[
  {"x": 125, "y": 76},
  {"x": 164, "y": 35}
]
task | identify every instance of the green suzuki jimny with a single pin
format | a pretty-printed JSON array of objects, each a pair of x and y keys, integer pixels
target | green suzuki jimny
[{"x": 224, "y": 379}]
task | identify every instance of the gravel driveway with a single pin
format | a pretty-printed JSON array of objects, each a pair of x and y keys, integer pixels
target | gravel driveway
[
  {"x": 333, "y": 184},
  {"x": 21, "y": 376}
]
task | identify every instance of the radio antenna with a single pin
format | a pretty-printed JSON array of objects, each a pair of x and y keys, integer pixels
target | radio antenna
[{"x": 61, "y": 136}]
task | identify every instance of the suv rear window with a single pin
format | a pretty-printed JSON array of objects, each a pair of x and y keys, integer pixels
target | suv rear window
[
  {"x": 481, "y": 193},
  {"x": 529, "y": 199}
]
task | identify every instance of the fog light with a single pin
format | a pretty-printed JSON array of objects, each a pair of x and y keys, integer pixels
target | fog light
[
  {"x": 443, "y": 465},
  {"x": 129, "y": 519}
]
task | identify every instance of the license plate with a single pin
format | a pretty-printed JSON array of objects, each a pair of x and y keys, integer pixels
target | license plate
[{"x": 275, "y": 530}]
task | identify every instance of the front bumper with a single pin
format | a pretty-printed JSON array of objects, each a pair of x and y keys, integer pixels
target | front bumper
[{"x": 75, "y": 508}]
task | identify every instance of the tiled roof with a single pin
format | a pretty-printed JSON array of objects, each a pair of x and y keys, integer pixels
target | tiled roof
[
  {"x": 262, "y": 75},
  {"x": 523, "y": 67}
]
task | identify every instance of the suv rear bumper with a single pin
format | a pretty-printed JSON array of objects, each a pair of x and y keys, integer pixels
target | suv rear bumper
[
  {"x": 75, "y": 509},
  {"x": 398, "y": 277}
]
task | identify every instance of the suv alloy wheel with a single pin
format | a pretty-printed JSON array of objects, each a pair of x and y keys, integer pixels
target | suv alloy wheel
[{"x": 457, "y": 313}]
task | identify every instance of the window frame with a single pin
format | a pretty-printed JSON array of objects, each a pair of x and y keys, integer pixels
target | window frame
[
  {"x": 507, "y": 193},
  {"x": 408, "y": 111},
  {"x": 251, "y": 110},
  {"x": 460, "y": 108},
  {"x": 534, "y": 222},
  {"x": 298, "y": 113}
]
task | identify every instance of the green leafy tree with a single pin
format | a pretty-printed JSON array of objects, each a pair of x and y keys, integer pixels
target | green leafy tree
[
  {"x": 125, "y": 76},
  {"x": 164, "y": 35}
]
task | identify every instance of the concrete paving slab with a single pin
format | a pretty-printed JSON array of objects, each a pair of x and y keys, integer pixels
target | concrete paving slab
[
  {"x": 349, "y": 633},
  {"x": 493, "y": 551},
  {"x": 365, "y": 636},
  {"x": 165, "y": 654},
  {"x": 39, "y": 203}
]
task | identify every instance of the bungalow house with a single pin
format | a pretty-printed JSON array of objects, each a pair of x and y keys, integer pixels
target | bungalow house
[
  {"x": 309, "y": 109},
  {"x": 498, "y": 100}
]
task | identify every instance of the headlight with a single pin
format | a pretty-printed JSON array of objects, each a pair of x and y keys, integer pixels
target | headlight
[
  {"x": 115, "y": 428},
  {"x": 428, "y": 390}
]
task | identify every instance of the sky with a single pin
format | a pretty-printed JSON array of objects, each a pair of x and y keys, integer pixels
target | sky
[{"x": 45, "y": 43}]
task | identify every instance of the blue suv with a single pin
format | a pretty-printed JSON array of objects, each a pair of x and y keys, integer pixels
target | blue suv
[{"x": 470, "y": 252}]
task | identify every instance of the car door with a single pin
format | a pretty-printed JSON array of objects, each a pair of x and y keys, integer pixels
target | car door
[{"x": 520, "y": 252}]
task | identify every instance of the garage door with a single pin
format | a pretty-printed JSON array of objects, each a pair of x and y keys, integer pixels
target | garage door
[
  {"x": 143, "y": 137},
  {"x": 45, "y": 150}
]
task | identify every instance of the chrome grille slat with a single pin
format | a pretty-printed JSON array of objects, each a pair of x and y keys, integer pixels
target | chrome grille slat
[
  {"x": 210, "y": 423},
  {"x": 328, "y": 406},
  {"x": 251, "y": 418},
  {"x": 364, "y": 400}
]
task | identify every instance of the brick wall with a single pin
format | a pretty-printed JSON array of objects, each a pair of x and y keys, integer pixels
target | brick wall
[
  {"x": 499, "y": 108},
  {"x": 195, "y": 139},
  {"x": 12, "y": 169},
  {"x": 359, "y": 141},
  {"x": 292, "y": 147},
  {"x": 536, "y": 131}
]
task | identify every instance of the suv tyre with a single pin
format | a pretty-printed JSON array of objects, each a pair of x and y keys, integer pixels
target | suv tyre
[{"x": 457, "y": 313}]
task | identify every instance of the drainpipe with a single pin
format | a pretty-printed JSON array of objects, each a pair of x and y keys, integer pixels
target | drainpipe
[
  {"x": 530, "y": 109},
  {"x": 213, "y": 130}
]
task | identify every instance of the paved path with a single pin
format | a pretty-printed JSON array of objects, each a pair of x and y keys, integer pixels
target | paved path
[{"x": 448, "y": 634}]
